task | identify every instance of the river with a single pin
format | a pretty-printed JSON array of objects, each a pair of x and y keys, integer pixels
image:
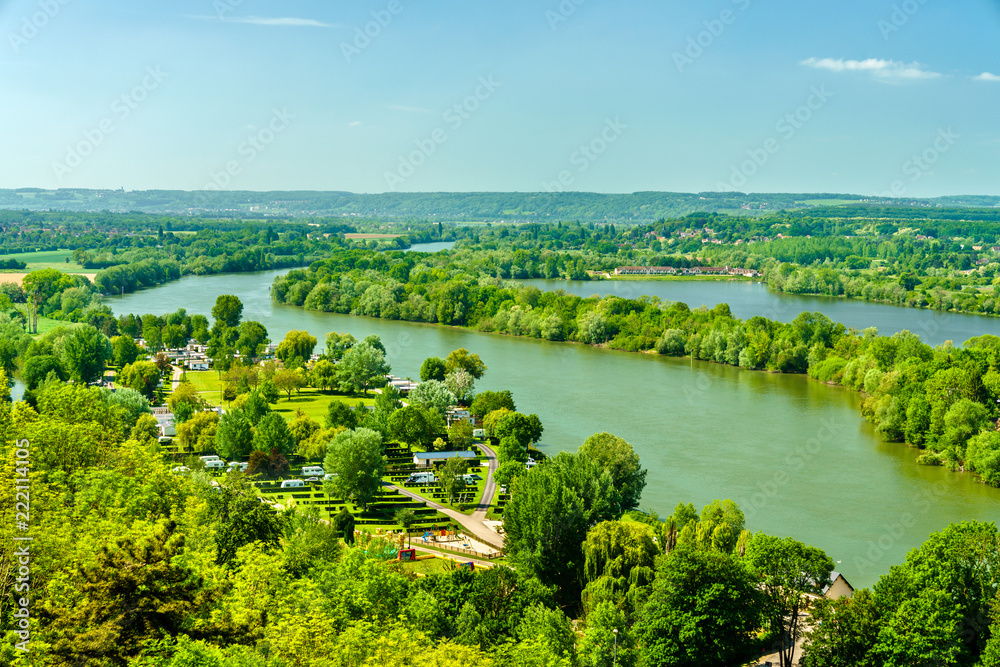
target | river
[
  {"x": 747, "y": 299},
  {"x": 794, "y": 453}
]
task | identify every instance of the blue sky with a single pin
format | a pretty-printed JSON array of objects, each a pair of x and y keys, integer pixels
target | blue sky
[{"x": 868, "y": 97}]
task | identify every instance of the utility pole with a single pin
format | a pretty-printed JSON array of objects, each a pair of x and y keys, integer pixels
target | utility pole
[{"x": 615, "y": 659}]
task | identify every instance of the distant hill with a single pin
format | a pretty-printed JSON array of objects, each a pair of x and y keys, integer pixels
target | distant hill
[{"x": 452, "y": 206}]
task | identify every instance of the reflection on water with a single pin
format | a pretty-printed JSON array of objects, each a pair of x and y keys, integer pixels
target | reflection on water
[{"x": 747, "y": 299}]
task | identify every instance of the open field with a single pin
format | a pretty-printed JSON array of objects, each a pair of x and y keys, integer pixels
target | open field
[
  {"x": 433, "y": 565},
  {"x": 46, "y": 259},
  {"x": 311, "y": 401}
]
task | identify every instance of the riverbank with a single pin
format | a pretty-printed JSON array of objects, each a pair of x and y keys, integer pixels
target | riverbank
[{"x": 656, "y": 278}]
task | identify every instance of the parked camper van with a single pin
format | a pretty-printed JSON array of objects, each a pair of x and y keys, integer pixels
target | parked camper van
[
  {"x": 215, "y": 465},
  {"x": 210, "y": 457},
  {"x": 479, "y": 433},
  {"x": 421, "y": 478},
  {"x": 313, "y": 471},
  {"x": 237, "y": 465},
  {"x": 292, "y": 484}
]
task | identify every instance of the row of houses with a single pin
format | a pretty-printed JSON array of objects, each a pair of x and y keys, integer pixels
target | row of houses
[{"x": 693, "y": 271}]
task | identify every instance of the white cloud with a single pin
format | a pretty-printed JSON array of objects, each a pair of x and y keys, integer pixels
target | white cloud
[
  {"x": 886, "y": 70},
  {"x": 986, "y": 76},
  {"x": 354, "y": 123},
  {"x": 283, "y": 22}
]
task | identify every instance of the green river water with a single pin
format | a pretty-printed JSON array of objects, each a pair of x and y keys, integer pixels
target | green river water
[{"x": 795, "y": 454}]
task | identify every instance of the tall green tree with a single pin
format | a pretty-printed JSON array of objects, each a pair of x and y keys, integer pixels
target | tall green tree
[
  {"x": 462, "y": 358},
  {"x": 619, "y": 458},
  {"x": 433, "y": 395},
  {"x": 362, "y": 366},
  {"x": 124, "y": 350},
  {"x": 338, "y": 343},
  {"x": 288, "y": 380},
  {"x": 37, "y": 368},
  {"x": 252, "y": 340},
  {"x": 339, "y": 413},
  {"x": 152, "y": 333},
  {"x": 241, "y": 519},
  {"x": 234, "y": 435},
  {"x": 619, "y": 565},
  {"x": 488, "y": 401},
  {"x": 433, "y": 368},
  {"x": 143, "y": 376},
  {"x": 704, "y": 610},
  {"x": 132, "y": 592},
  {"x": 548, "y": 516},
  {"x": 227, "y": 311},
  {"x": 273, "y": 433},
  {"x": 296, "y": 348},
  {"x": 788, "y": 571},
  {"x": 452, "y": 478},
  {"x": 410, "y": 425},
  {"x": 356, "y": 461},
  {"x": 323, "y": 375}
]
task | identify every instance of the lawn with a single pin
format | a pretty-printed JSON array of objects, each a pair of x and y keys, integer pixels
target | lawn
[
  {"x": 48, "y": 259},
  {"x": 311, "y": 401},
  {"x": 433, "y": 565},
  {"x": 45, "y": 324}
]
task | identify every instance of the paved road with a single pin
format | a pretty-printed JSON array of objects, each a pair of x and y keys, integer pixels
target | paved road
[{"x": 474, "y": 523}]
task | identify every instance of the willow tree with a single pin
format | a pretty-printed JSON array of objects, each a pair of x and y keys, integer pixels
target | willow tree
[{"x": 619, "y": 565}]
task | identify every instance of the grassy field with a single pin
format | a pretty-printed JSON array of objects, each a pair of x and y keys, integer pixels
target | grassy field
[
  {"x": 47, "y": 259},
  {"x": 429, "y": 566},
  {"x": 311, "y": 401}
]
